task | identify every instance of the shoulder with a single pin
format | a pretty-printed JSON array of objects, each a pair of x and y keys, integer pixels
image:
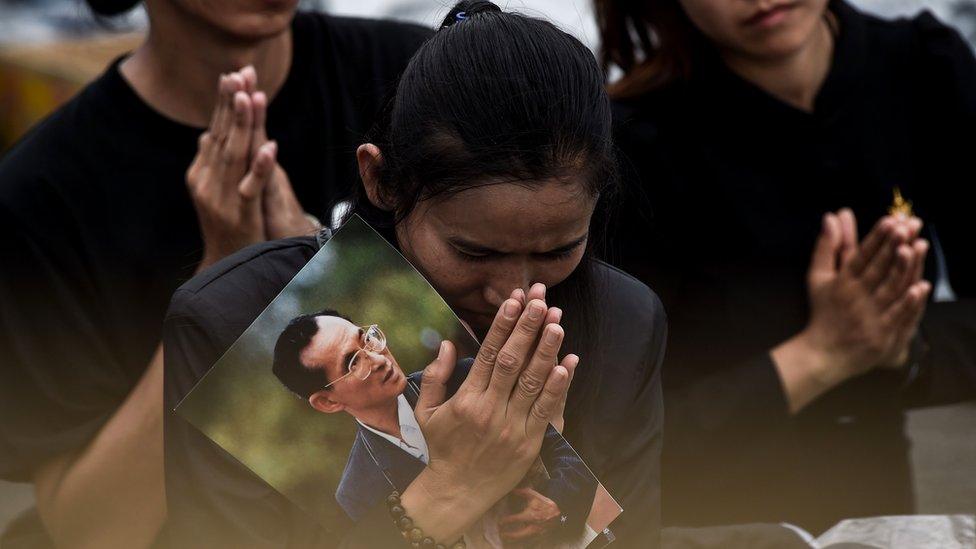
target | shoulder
[
  {"x": 922, "y": 36},
  {"x": 27, "y": 171},
  {"x": 632, "y": 329},
  {"x": 364, "y": 36},
  {"x": 923, "y": 56},
  {"x": 627, "y": 299},
  {"x": 237, "y": 288},
  {"x": 945, "y": 54}
]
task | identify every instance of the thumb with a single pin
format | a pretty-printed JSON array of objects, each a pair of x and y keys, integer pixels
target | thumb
[
  {"x": 259, "y": 175},
  {"x": 260, "y": 105},
  {"x": 823, "y": 264},
  {"x": 433, "y": 384}
]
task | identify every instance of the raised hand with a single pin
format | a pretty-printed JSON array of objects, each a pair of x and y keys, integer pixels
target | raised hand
[
  {"x": 484, "y": 438},
  {"x": 283, "y": 214},
  {"x": 554, "y": 316},
  {"x": 864, "y": 305},
  {"x": 224, "y": 181},
  {"x": 866, "y": 301}
]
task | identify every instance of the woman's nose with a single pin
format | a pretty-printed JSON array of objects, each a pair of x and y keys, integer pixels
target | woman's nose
[{"x": 501, "y": 284}]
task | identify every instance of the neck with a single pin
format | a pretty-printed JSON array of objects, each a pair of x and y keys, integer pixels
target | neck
[
  {"x": 794, "y": 79},
  {"x": 384, "y": 418},
  {"x": 177, "y": 68}
]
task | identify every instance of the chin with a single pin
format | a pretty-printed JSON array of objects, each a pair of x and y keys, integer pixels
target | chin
[
  {"x": 259, "y": 26},
  {"x": 777, "y": 46}
]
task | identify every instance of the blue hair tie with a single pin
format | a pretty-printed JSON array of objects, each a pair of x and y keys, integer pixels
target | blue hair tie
[{"x": 460, "y": 16}]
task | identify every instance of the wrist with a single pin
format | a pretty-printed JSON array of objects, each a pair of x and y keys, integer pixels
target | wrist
[
  {"x": 827, "y": 367},
  {"x": 441, "y": 508},
  {"x": 806, "y": 368}
]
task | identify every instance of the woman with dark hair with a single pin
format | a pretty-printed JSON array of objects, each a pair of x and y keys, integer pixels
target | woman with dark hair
[
  {"x": 102, "y": 222},
  {"x": 484, "y": 170},
  {"x": 748, "y": 128}
]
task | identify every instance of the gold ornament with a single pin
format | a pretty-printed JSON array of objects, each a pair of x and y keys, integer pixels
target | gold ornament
[{"x": 900, "y": 206}]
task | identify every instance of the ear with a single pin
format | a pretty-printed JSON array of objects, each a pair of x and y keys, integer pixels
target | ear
[
  {"x": 370, "y": 159},
  {"x": 320, "y": 401}
]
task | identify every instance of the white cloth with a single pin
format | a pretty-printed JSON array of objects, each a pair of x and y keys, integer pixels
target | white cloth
[
  {"x": 904, "y": 532},
  {"x": 412, "y": 441}
]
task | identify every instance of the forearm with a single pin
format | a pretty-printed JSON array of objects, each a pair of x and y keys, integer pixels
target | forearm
[
  {"x": 111, "y": 493},
  {"x": 803, "y": 371}
]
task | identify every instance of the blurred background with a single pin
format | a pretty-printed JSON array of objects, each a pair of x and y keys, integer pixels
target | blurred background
[{"x": 50, "y": 48}]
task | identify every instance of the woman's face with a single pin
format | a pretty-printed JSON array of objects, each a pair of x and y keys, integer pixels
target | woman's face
[
  {"x": 759, "y": 29},
  {"x": 478, "y": 245},
  {"x": 242, "y": 19}
]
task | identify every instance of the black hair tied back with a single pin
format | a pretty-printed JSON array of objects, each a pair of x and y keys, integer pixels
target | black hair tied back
[
  {"x": 108, "y": 8},
  {"x": 464, "y": 10}
]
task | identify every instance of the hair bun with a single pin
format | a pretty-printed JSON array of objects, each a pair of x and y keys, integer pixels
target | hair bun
[
  {"x": 468, "y": 8},
  {"x": 111, "y": 7}
]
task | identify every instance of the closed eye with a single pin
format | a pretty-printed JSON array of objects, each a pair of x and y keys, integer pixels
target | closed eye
[{"x": 469, "y": 252}]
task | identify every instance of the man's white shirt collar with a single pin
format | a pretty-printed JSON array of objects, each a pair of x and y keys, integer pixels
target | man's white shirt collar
[{"x": 413, "y": 441}]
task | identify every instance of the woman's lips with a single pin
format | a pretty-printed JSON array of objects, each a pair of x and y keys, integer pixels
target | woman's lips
[{"x": 770, "y": 17}]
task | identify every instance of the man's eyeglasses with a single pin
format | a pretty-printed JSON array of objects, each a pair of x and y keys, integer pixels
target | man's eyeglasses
[{"x": 372, "y": 341}]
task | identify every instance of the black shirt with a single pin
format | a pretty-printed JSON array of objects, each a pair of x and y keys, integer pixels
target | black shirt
[
  {"x": 733, "y": 185},
  {"x": 214, "y": 501},
  {"x": 98, "y": 229}
]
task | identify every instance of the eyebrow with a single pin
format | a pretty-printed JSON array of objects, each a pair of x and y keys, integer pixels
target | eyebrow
[
  {"x": 478, "y": 248},
  {"x": 348, "y": 356}
]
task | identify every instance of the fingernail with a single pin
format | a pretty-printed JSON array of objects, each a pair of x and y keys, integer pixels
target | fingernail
[
  {"x": 511, "y": 309},
  {"x": 441, "y": 350},
  {"x": 536, "y": 310},
  {"x": 557, "y": 313},
  {"x": 552, "y": 335}
]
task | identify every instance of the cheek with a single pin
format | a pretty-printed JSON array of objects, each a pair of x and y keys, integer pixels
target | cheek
[
  {"x": 714, "y": 18},
  {"x": 450, "y": 275},
  {"x": 552, "y": 273},
  {"x": 456, "y": 279}
]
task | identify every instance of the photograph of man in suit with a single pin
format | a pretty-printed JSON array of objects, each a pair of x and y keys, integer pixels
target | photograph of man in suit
[{"x": 338, "y": 366}]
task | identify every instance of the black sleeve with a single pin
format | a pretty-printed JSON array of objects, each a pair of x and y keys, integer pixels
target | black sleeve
[
  {"x": 60, "y": 375},
  {"x": 213, "y": 500},
  {"x": 948, "y": 330},
  {"x": 631, "y": 472}
]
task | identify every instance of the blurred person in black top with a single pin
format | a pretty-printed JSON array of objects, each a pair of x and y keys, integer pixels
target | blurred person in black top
[
  {"x": 743, "y": 123},
  {"x": 100, "y": 227}
]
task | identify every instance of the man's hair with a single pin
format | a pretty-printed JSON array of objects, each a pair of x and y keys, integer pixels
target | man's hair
[{"x": 287, "y": 366}]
